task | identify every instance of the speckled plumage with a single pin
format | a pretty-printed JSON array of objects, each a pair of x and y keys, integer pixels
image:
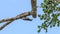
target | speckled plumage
[{"x": 34, "y": 9}]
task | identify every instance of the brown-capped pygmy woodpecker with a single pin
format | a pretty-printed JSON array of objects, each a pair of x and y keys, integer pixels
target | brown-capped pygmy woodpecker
[{"x": 34, "y": 9}]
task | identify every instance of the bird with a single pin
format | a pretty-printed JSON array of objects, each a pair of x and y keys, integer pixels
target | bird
[{"x": 34, "y": 9}]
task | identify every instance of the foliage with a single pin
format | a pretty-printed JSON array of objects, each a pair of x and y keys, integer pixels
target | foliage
[{"x": 51, "y": 12}]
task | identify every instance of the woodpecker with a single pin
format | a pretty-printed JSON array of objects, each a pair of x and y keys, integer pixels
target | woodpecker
[{"x": 34, "y": 9}]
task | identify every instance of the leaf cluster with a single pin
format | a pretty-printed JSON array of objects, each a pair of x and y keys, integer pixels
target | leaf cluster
[{"x": 50, "y": 17}]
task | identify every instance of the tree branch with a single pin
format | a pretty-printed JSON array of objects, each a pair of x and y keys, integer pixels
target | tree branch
[
  {"x": 9, "y": 20},
  {"x": 20, "y": 16}
]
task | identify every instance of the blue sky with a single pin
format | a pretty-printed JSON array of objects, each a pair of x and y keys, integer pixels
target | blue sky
[{"x": 11, "y": 8}]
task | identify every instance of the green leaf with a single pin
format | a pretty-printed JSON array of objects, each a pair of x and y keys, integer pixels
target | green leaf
[
  {"x": 58, "y": 23},
  {"x": 39, "y": 26},
  {"x": 39, "y": 31},
  {"x": 49, "y": 7},
  {"x": 54, "y": 25},
  {"x": 45, "y": 0},
  {"x": 39, "y": 15}
]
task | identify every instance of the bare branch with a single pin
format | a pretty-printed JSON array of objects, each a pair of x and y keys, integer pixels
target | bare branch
[
  {"x": 20, "y": 16},
  {"x": 9, "y": 20},
  {"x": 17, "y": 17}
]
